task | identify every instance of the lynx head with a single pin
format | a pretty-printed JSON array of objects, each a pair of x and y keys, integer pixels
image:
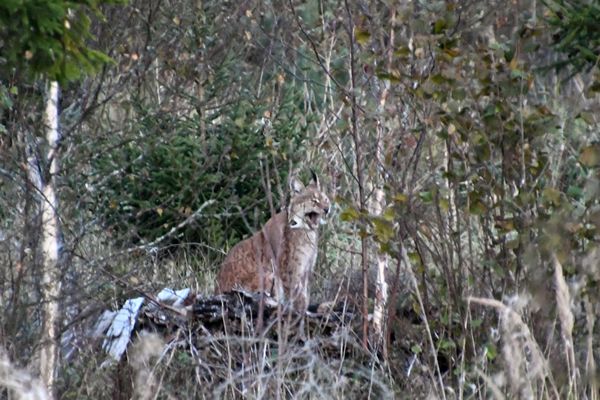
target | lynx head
[{"x": 308, "y": 204}]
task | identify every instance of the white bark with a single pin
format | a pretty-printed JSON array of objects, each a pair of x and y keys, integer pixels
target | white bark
[
  {"x": 377, "y": 207},
  {"x": 381, "y": 286},
  {"x": 51, "y": 243}
]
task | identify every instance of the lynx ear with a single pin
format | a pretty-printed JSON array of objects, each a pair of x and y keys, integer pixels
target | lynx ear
[
  {"x": 315, "y": 178},
  {"x": 295, "y": 185}
]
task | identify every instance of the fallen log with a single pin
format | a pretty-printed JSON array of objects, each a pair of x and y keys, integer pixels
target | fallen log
[{"x": 236, "y": 313}]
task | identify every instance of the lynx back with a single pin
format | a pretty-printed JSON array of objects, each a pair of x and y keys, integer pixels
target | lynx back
[{"x": 279, "y": 258}]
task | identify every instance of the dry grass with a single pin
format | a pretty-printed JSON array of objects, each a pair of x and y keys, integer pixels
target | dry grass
[
  {"x": 180, "y": 365},
  {"x": 19, "y": 382},
  {"x": 525, "y": 366},
  {"x": 532, "y": 370},
  {"x": 255, "y": 367}
]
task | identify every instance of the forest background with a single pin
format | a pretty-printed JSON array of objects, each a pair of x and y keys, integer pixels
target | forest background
[{"x": 458, "y": 139}]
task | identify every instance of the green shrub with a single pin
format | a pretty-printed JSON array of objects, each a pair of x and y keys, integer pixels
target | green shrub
[{"x": 157, "y": 180}]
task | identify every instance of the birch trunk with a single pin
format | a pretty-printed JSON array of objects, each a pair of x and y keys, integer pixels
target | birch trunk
[
  {"x": 377, "y": 207},
  {"x": 51, "y": 242},
  {"x": 381, "y": 287}
]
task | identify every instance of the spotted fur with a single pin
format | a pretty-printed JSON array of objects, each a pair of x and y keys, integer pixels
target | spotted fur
[{"x": 280, "y": 257}]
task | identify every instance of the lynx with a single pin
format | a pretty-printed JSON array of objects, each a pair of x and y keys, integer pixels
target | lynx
[{"x": 279, "y": 258}]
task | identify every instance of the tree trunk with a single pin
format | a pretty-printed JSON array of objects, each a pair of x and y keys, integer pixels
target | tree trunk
[
  {"x": 381, "y": 287},
  {"x": 360, "y": 181},
  {"x": 51, "y": 241},
  {"x": 377, "y": 207}
]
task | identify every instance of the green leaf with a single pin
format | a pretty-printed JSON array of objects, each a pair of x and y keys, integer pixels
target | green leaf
[
  {"x": 383, "y": 230},
  {"x": 575, "y": 192},
  {"x": 590, "y": 156},
  {"x": 459, "y": 94},
  {"x": 426, "y": 196},
  {"x": 239, "y": 122},
  {"x": 446, "y": 344},
  {"x": 402, "y": 52},
  {"x": 393, "y": 77},
  {"x": 362, "y": 36},
  {"x": 350, "y": 214},
  {"x": 444, "y": 204},
  {"x": 477, "y": 208},
  {"x": 491, "y": 352},
  {"x": 439, "y": 26},
  {"x": 438, "y": 79},
  {"x": 389, "y": 214},
  {"x": 551, "y": 196},
  {"x": 476, "y": 323},
  {"x": 400, "y": 198},
  {"x": 518, "y": 73},
  {"x": 452, "y": 52},
  {"x": 505, "y": 225},
  {"x": 414, "y": 258},
  {"x": 5, "y": 100}
]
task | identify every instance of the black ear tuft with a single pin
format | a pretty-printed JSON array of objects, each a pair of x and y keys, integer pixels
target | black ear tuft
[{"x": 315, "y": 178}]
